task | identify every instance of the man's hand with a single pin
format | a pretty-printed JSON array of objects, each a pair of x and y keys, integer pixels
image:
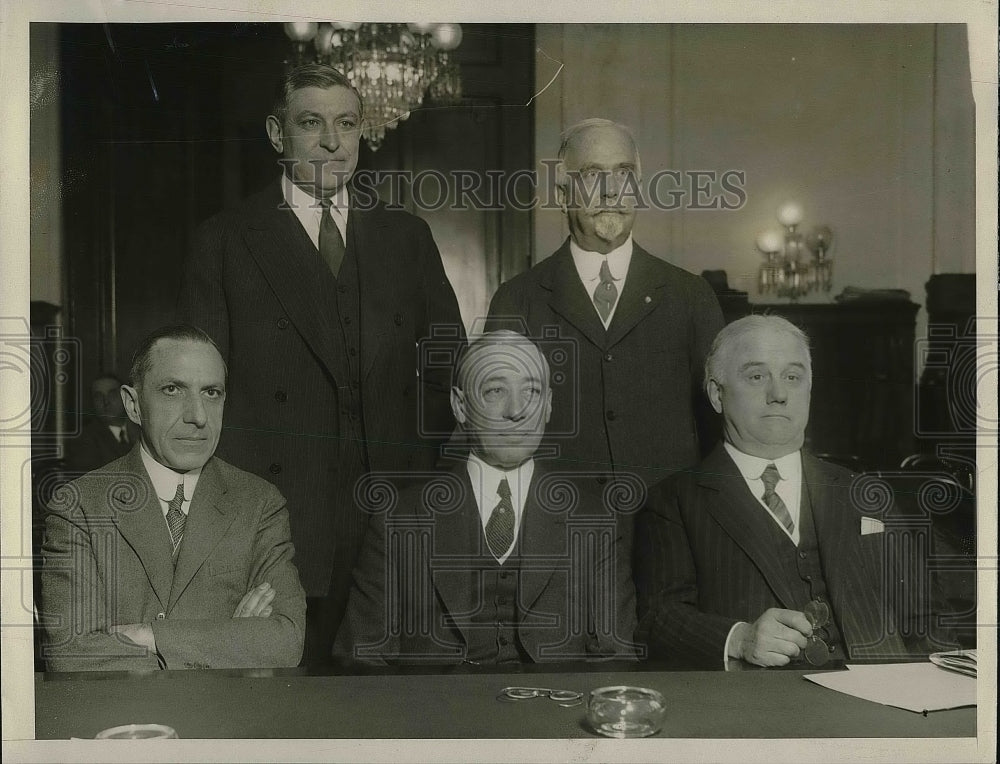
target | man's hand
[
  {"x": 256, "y": 602},
  {"x": 773, "y": 639},
  {"x": 140, "y": 633}
]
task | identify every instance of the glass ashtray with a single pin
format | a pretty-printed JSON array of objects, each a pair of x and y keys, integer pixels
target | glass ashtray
[
  {"x": 624, "y": 711},
  {"x": 137, "y": 732}
]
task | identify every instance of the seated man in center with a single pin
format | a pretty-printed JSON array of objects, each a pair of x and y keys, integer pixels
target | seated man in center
[{"x": 496, "y": 560}]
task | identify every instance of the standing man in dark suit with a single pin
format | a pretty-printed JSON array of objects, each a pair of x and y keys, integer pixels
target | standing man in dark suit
[
  {"x": 318, "y": 298},
  {"x": 641, "y": 326},
  {"x": 760, "y": 554},
  {"x": 106, "y": 435},
  {"x": 169, "y": 557},
  {"x": 498, "y": 560}
]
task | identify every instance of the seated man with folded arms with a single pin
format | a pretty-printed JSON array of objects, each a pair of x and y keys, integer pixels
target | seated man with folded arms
[
  {"x": 759, "y": 553},
  {"x": 169, "y": 557},
  {"x": 497, "y": 560}
]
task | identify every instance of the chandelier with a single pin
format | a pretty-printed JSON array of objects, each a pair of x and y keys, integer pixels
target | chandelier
[
  {"x": 787, "y": 270},
  {"x": 393, "y": 66}
]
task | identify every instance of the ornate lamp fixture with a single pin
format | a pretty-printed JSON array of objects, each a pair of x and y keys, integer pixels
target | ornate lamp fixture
[
  {"x": 393, "y": 66},
  {"x": 787, "y": 271}
]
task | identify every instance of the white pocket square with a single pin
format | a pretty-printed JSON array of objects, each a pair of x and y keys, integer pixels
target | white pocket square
[{"x": 871, "y": 525}]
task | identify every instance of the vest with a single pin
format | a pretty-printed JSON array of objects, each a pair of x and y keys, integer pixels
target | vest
[
  {"x": 803, "y": 570},
  {"x": 493, "y": 636}
]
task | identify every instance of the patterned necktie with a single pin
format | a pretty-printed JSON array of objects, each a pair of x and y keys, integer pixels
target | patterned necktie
[
  {"x": 606, "y": 293},
  {"x": 175, "y": 517},
  {"x": 331, "y": 243},
  {"x": 770, "y": 476},
  {"x": 500, "y": 527}
]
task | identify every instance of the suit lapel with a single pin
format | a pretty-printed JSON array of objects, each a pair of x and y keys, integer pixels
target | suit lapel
[
  {"x": 297, "y": 275},
  {"x": 374, "y": 281},
  {"x": 744, "y": 519},
  {"x": 542, "y": 543},
  {"x": 642, "y": 295},
  {"x": 569, "y": 298},
  {"x": 208, "y": 519},
  {"x": 135, "y": 510},
  {"x": 456, "y": 553}
]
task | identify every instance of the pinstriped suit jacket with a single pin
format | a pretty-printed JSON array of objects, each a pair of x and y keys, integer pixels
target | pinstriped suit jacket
[{"x": 704, "y": 561}]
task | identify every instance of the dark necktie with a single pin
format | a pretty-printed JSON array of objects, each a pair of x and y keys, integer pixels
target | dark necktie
[
  {"x": 500, "y": 526},
  {"x": 770, "y": 476},
  {"x": 175, "y": 517},
  {"x": 331, "y": 243},
  {"x": 606, "y": 293}
]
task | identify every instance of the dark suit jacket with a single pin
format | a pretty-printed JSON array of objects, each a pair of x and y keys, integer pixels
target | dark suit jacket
[
  {"x": 627, "y": 397},
  {"x": 107, "y": 561},
  {"x": 704, "y": 561},
  {"x": 418, "y": 585},
  {"x": 258, "y": 286},
  {"x": 95, "y": 446}
]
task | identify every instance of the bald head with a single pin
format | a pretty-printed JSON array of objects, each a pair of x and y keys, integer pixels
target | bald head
[{"x": 502, "y": 397}]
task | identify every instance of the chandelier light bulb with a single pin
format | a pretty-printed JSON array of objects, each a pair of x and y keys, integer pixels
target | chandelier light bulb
[
  {"x": 301, "y": 31},
  {"x": 324, "y": 39},
  {"x": 447, "y": 36},
  {"x": 421, "y": 27}
]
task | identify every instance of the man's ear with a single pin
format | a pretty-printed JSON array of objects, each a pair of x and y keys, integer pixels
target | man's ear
[
  {"x": 458, "y": 405},
  {"x": 274, "y": 133},
  {"x": 548, "y": 405},
  {"x": 561, "y": 180},
  {"x": 714, "y": 390},
  {"x": 130, "y": 397}
]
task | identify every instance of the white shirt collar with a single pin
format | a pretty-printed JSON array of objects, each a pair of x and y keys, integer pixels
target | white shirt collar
[
  {"x": 165, "y": 480},
  {"x": 789, "y": 488},
  {"x": 308, "y": 211},
  {"x": 485, "y": 480},
  {"x": 588, "y": 264}
]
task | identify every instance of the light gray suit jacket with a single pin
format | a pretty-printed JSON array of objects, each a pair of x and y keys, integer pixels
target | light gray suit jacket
[{"x": 108, "y": 560}]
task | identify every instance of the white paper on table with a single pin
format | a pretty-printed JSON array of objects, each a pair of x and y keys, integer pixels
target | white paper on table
[{"x": 915, "y": 687}]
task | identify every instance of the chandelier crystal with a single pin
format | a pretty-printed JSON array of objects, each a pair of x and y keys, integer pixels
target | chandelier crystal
[{"x": 393, "y": 66}]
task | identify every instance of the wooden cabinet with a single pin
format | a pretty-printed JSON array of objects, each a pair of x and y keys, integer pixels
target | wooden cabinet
[{"x": 863, "y": 377}]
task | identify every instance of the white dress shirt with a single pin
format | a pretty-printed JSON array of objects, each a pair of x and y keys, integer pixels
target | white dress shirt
[
  {"x": 165, "y": 482},
  {"x": 588, "y": 266},
  {"x": 485, "y": 481},
  {"x": 309, "y": 212},
  {"x": 789, "y": 488}
]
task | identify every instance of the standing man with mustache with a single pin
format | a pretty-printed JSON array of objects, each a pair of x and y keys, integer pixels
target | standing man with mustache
[
  {"x": 642, "y": 327},
  {"x": 318, "y": 297}
]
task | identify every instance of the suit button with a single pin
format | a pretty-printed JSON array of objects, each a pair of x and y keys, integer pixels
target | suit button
[
  {"x": 602, "y": 480},
  {"x": 352, "y": 351},
  {"x": 347, "y": 319},
  {"x": 280, "y": 396},
  {"x": 160, "y": 616},
  {"x": 398, "y": 319},
  {"x": 341, "y": 288},
  {"x": 282, "y": 323},
  {"x": 833, "y": 648},
  {"x": 802, "y": 555},
  {"x": 274, "y": 469},
  {"x": 504, "y": 641},
  {"x": 610, "y": 415},
  {"x": 809, "y": 578},
  {"x": 501, "y": 600},
  {"x": 609, "y": 357},
  {"x": 505, "y": 575}
]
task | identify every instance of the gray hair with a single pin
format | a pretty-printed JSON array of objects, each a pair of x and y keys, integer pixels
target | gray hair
[
  {"x": 571, "y": 133},
  {"x": 730, "y": 334}
]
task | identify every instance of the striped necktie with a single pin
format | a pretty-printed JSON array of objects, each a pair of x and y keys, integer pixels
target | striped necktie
[
  {"x": 175, "y": 517},
  {"x": 500, "y": 526},
  {"x": 606, "y": 293},
  {"x": 331, "y": 243},
  {"x": 770, "y": 476}
]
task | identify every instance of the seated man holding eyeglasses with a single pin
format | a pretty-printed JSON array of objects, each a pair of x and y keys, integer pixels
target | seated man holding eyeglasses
[{"x": 759, "y": 554}]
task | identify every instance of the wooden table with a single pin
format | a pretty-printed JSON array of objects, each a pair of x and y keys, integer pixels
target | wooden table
[{"x": 293, "y": 704}]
